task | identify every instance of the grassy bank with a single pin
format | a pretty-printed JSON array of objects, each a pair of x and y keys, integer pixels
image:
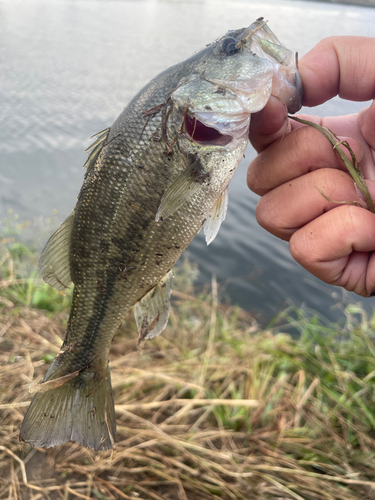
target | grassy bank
[{"x": 213, "y": 408}]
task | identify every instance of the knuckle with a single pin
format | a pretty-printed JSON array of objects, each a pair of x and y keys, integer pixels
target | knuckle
[
  {"x": 271, "y": 218},
  {"x": 254, "y": 178},
  {"x": 299, "y": 249},
  {"x": 263, "y": 216}
]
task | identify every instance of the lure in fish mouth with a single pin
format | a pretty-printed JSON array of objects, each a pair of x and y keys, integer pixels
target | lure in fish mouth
[{"x": 153, "y": 178}]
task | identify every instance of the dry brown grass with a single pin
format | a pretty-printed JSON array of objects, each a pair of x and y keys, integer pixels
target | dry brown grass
[{"x": 211, "y": 409}]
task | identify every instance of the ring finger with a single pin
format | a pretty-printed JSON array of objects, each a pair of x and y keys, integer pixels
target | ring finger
[{"x": 293, "y": 204}]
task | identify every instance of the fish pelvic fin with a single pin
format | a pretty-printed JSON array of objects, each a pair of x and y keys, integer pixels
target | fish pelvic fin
[
  {"x": 80, "y": 409},
  {"x": 152, "y": 311},
  {"x": 215, "y": 217}
]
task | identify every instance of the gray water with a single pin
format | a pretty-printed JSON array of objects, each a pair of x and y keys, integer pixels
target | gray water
[{"x": 68, "y": 67}]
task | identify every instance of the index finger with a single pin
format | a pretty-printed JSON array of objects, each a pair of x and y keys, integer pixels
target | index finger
[
  {"x": 269, "y": 124},
  {"x": 340, "y": 65}
]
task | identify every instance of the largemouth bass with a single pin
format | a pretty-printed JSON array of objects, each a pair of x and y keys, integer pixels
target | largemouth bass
[{"x": 153, "y": 179}]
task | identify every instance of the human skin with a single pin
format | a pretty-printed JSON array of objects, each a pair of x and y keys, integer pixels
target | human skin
[{"x": 333, "y": 242}]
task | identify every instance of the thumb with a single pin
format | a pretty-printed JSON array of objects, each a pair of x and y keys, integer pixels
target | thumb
[{"x": 366, "y": 122}]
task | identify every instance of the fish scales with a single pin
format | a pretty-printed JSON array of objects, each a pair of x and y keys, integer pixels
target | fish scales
[{"x": 153, "y": 179}]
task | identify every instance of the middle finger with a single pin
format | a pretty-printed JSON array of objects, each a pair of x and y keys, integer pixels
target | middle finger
[
  {"x": 295, "y": 154},
  {"x": 292, "y": 205}
]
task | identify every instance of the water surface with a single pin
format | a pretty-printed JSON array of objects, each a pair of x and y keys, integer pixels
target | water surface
[{"x": 69, "y": 67}]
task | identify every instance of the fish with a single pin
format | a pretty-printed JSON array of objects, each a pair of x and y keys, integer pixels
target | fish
[{"x": 153, "y": 179}]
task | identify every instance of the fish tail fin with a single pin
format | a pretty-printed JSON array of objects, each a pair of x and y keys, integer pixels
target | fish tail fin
[{"x": 81, "y": 409}]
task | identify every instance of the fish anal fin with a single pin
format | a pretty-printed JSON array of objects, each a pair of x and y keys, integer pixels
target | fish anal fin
[
  {"x": 215, "y": 217},
  {"x": 54, "y": 263},
  {"x": 80, "y": 410},
  {"x": 152, "y": 311},
  {"x": 183, "y": 188}
]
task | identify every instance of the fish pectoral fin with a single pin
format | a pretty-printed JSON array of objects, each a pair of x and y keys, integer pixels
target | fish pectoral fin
[
  {"x": 152, "y": 311},
  {"x": 54, "y": 263},
  {"x": 80, "y": 410},
  {"x": 218, "y": 212},
  {"x": 95, "y": 148},
  {"x": 183, "y": 188}
]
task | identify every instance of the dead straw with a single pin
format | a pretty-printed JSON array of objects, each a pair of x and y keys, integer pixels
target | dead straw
[
  {"x": 209, "y": 410},
  {"x": 251, "y": 427}
]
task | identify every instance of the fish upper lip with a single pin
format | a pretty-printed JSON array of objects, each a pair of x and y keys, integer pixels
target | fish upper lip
[
  {"x": 234, "y": 127},
  {"x": 296, "y": 103}
]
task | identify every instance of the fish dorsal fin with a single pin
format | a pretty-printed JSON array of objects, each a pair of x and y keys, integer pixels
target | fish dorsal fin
[
  {"x": 95, "y": 148},
  {"x": 152, "y": 311},
  {"x": 184, "y": 187},
  {"x": 54, "y": 263},
  {"x": 215, "y": 217}
]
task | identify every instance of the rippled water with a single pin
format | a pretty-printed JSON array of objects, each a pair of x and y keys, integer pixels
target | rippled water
[{"x": 69, "y": 67}]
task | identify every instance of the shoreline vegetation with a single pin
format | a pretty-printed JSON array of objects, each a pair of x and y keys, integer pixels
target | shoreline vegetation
[{"x": 213, "y": 408}]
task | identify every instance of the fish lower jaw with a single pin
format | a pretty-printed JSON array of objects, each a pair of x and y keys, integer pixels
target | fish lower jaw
[{"x": 211, "y": 129}]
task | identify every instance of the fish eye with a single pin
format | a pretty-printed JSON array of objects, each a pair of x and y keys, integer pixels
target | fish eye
[{"x": 228, "y": 46}]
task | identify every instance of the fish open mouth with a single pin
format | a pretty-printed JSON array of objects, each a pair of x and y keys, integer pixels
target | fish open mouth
[{"x": 204, "y": 134}]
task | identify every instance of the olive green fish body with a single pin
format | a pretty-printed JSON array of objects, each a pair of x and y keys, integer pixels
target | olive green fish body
[{"x": 153, "y": 179}]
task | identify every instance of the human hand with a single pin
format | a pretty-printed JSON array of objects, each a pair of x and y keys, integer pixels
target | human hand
[{"x": 334, "y": 242}]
